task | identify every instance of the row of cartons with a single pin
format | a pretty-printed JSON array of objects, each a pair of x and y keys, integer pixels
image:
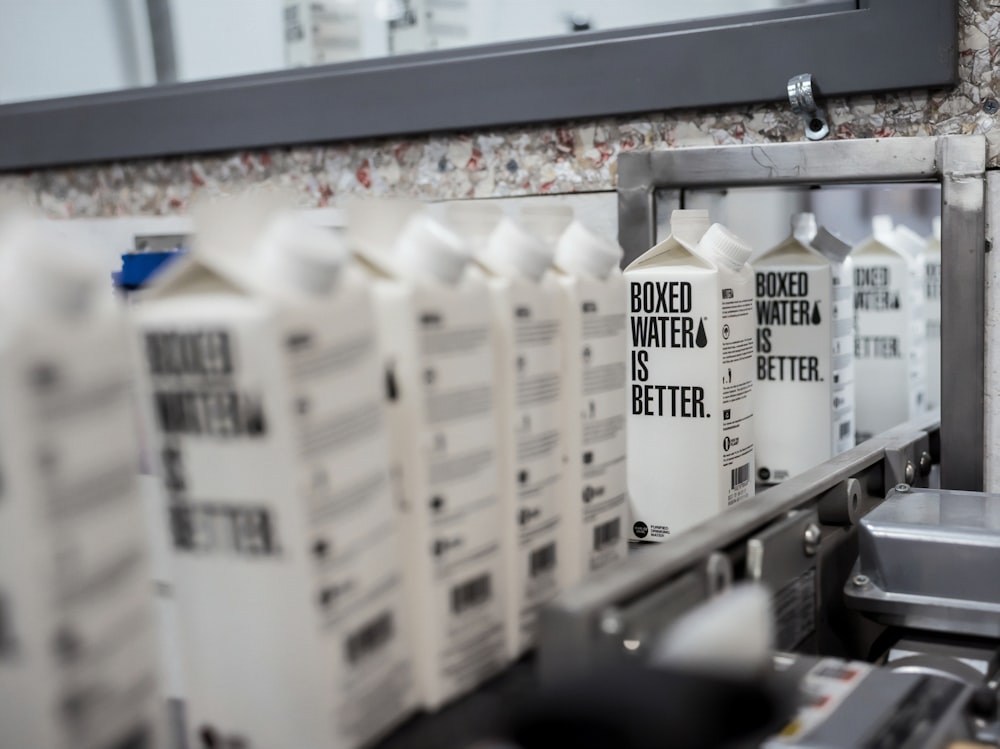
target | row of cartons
[
  {"x": 428, "y": 445},
  {"x": 741, "y": 375}
]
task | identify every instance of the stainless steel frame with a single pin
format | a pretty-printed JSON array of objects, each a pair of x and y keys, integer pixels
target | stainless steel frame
[
  {"x": 957, "y": 162},
  {"x": 849, "y": 46},
  {"x": 638, "y": 597}
]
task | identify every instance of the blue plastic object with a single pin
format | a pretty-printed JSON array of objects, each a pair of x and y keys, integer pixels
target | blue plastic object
[{"x": 139, "y": 267}]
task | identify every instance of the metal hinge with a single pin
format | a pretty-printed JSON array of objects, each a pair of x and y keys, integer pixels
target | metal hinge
[{"x": 802, "y": 96}]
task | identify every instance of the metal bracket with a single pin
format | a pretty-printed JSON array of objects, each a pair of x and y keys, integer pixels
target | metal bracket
[{"x": 802, "y": 97}]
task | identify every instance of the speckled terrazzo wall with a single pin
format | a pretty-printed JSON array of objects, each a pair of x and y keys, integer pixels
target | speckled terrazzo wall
[{"x": 570, "y": 157}]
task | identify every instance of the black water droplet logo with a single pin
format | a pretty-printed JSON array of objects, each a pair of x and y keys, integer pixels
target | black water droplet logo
[
  {"x": 701, "y": 340},
  {"x": 815, "y": 315}
]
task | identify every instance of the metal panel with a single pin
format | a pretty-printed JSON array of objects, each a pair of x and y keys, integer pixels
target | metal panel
[
  {"x": 958, "y": 162},
  {"x": 884, "y": 45}
]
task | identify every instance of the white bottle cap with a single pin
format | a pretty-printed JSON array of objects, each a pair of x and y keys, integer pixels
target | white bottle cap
[
  {"x": 580, "y": 250},
  {"x": 724, "y": 246},
  {"x": 512, "y": 248},
  {"x": 936, "y": 228},
  {"x": 306, "y": 257},
  {"x": 882, "y": 226},
  {"x": 804, "y": 226},
  {"x": 689, "y": 225},
  {"x": 426, "y": 249}
]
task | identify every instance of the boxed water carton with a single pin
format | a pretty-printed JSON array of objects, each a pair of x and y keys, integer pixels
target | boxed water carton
[
  {"x": 435, "y": 333},
  {"x": 691, "y": 371},
  {"x": 594, "y": 311},
  {"x": 264, "y": 396},
  {"x": 529, "y": 389},
  {"x": 888, "y": 346},
  {"x": 78, "y": 665},
  {"x": 805, "y": 350}
]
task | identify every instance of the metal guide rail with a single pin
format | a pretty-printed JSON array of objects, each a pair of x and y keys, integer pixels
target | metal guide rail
[{"x": 798, "y": 538}]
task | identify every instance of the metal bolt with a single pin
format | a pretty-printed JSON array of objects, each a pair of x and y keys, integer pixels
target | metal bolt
[
  {"x": 811, "y": 538},
  {"x": 861, "y": 581},
  {"x": 909, "y": 473},
  {"x": 902, "y": 488},
  {"x": 925, "y": 463},
  {"x": 611, "y": 623},
  {"x": 990, "y": 106}
]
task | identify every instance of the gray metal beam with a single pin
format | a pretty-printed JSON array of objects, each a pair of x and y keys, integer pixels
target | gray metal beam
[{"x": 883, "y": 45}]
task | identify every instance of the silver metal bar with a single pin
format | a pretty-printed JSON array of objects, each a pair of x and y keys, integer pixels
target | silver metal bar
[
  {"x": 963, "y": 312},
  {"x": 571, "y": 639},
  {"x": 958, "y": 162}
]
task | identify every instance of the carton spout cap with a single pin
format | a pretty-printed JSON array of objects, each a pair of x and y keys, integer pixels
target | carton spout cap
[
  {"x": 580, "y": 250},
  {"x": 724, "y": 246},
  {"x": 882, "y": 226},
  {"x": 689, "y": 225},
  {"x": 511, "y": 247},
  {"x": 427, "y": 249},
  {"x": 804, "y": 226},
  {"x": 829, "y": 245},
  {"x": 304, "y": 256}
]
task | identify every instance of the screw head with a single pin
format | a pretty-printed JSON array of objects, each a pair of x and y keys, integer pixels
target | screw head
[
  {"x": 611, "y": 623},
  {"x": 861, "y": 581},
  {"x": 902, "y": 488},
  {"x": 909, "y": 472},
  {"x": 811, "y": 538},
  {"x": 925, "y": 463},
  {"x": 991, "y": 106}
]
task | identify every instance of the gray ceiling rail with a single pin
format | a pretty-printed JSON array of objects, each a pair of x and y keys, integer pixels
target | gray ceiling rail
[
  {"x": 848, "y": 46},
  {"x": 958, "y": 162}
]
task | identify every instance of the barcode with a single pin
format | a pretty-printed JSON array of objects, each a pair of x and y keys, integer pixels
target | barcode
[
  {"x": 607, "y": 533},
  {"x": 845, "y": 429},
  {"x": 740, "y": 475},
  {"x": 471, "y": 593},
  {"x": 542, "y": 560},
  {"x": 369, "y": 637}
]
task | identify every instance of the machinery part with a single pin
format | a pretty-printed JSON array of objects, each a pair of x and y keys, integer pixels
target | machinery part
[
  {"x": 782, "y": 557},
  {"x": 802, "y": 97},
  {"x": 930, "y": 557},
  {"x": 841, "y": 505}
]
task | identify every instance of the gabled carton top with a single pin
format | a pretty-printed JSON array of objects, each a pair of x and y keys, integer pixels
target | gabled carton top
[
  {"x": 873, "y": 246},
  {"x": 581, "y": 251},
  {"x": 680, "y": 248},
  {"x": 823, "y": 248},
  {"x": 374, "y": 225},
  {"x": 258, "y": 248},
  {"x": 45, "y": 275},
  {"x": 547, "y": 220},
  {"x": 511, "y": 251},
  {"x": 473, "y": 220}
]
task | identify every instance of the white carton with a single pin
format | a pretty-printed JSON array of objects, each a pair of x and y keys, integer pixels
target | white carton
[
  {"x": 931, "y": 260},
  {"x": 888, "y": 363},
  {"x": 804, "y": 397},
  {"x": 594, "y": 311},
  {"x": 78, "y": 667},
  {"x": 436, "y": 338},
  {"x": 691, "y": 347},
  {"x": 266, "y": 402},
  {"x": 529, "y": 391}
]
